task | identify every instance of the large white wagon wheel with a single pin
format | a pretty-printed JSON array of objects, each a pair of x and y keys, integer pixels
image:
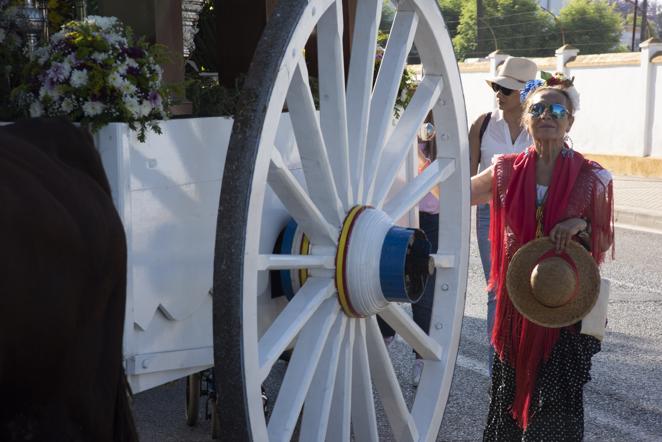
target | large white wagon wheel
[{"x": 349, "y": 159}]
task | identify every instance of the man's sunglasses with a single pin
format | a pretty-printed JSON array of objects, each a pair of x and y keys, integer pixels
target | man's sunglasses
[
  {"x": 556, "y": 111},
  {"x": 504, "y": 90}
]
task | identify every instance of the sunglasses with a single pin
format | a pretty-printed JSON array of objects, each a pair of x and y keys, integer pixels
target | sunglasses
[
  {"x": 556, "y": 111},
  {"x": 504, "y": 90}
]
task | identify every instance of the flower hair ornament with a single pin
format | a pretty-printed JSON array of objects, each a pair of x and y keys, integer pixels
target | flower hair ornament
[{"x": 555, "y": 79}]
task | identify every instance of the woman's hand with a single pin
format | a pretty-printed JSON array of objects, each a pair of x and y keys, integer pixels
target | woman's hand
[{"x": 565, "y": 230}]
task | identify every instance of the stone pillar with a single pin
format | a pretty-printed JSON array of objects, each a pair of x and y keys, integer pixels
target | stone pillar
[
  {"x": 649, "y": 49},
  {"x": 496, "y": 59},
  {"x": 564, "y": 55},
  {"x": 160, "y": 21}
]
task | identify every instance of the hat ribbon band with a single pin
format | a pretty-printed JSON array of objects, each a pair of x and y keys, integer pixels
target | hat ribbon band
[
  {"x": 513, "y": 78},
  {"x": 564, "y": 256}
]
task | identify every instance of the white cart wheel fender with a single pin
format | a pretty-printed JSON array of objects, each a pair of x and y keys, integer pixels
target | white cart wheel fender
[{"x": 347, "y": 196}]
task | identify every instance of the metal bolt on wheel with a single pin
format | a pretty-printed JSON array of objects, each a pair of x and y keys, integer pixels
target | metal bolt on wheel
[{"x": 347, "y": 155}]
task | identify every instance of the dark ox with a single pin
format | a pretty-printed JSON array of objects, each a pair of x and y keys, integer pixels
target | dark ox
[{"x": 62, "y": 289}]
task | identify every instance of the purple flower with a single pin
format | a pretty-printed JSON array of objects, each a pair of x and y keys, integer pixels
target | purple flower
[
  {"x": 59, "y": 72},
  {"x": 154, "y": 99},
  {"x": 132, "y": 70},
  {"x": 134, "y": 52},
  {"x": 530, "y": 86}
]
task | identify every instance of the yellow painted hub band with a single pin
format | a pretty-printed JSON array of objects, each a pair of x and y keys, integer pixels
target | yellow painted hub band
[{"x": 341, "y": 261}]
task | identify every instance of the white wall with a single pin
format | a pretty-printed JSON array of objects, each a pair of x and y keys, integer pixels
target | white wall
[
  {"x": 656, "y": 141},
  {"x": 608, "y": 121},
  {"x": 478, "y": 96}
]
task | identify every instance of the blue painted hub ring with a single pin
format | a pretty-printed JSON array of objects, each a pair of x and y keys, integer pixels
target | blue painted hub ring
[{"x": 404, "y": 265}]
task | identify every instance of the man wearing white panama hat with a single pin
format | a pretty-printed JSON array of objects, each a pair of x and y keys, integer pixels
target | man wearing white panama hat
[{"x": 496, "y": 133}]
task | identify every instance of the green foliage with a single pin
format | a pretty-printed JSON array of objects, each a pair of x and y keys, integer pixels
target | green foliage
[
  {"x": 451, "y": 11},
  {"x": 592, "y": 26},
  {"x": 519, "y": 27},
  {"x": 209, "y": 98},
  {"x": 388, "y": 14},
  {"x": 522, "y": 28},
  {"x": 63, "y": 11}
]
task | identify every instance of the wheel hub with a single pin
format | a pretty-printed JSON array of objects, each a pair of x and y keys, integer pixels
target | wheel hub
[{"x": 378, "y": 263}]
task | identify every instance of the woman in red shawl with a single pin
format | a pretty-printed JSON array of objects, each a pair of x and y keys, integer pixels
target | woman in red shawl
[{"x": 547, "y": 190}]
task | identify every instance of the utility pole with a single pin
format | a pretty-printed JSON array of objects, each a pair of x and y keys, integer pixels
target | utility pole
[
  {"x": 644, "y": 22},
  {"x": 634, "y": 22}
]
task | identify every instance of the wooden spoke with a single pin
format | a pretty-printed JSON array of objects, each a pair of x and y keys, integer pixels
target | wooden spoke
[
  {"x": 359, "y": 86},
  {"x": 387, "y": 84},
  {"x": 340, "y": 420},
  {"x": 403, "y": 138},
  {"x": 312, "y": 150},
  {"x": 291, "y": 320},
  {"x": 444, "y": 260},
  {"x": 300, "y": 371},
  {"x": 333, "y": 107},
  {"x": 290, "y": 262},
  {"x": 412, "y": 193},
  {"x": 364, "y": 418},
  {"x": 318, "y": 402},
  {"x": 298, "y": 203},
  {"x": 386, "y": 383},
  {"x": 404, "y": 325}
]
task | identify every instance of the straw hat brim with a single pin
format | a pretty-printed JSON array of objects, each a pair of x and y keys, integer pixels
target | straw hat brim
[{"x": 518, "y": 283}]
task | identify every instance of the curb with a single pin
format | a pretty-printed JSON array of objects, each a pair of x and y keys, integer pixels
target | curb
[{"x": 638, "y": 218}]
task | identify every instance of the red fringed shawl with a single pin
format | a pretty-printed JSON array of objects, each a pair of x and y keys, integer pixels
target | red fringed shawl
[{"x": 579, "y": 188}]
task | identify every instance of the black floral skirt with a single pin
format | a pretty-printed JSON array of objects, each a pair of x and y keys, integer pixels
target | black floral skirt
[{"x": 557, "y": 410}]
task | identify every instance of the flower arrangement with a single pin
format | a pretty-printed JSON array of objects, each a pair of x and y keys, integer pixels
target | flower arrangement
[
  {"x": 549, "y": 79},
  {"x": 94, "y": 72}
]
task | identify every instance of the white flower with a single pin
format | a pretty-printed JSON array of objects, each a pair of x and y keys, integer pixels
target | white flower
[
  {"x": 115, "y": 39},
  {"x": 145, "y": 108},
  {"x": 36, "y": 109},
  {"x": 128, "y": 88},
  {"x": 78, "y": 78},
  {"x": 92, "y": 108},
  {"x": 99, "y": 57},
  {"x": 41, "y": 55},
  {"x": 115, "y": 80},
  {"x": 67, "y": 105},
  {"x": 159, "y": 72},
  {"x": 49, "y": 90},
  {"x": 130, "y": 62},
  {"x": 105, "y": 23},
  {"x": 132, "y": 105},
  {"x": 57, "y": 37}
]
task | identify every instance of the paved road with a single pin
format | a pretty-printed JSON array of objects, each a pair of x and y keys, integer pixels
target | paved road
[{"x": 623, "y": 401}]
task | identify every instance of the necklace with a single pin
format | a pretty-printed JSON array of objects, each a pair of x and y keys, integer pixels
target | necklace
[{"x": 539, "y": 213}]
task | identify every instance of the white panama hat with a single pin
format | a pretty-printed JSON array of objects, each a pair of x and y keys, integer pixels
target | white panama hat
[{"x": 514, "y": 73}]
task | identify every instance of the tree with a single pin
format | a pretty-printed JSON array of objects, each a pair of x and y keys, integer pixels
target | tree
[
  {"x": 592, "y": 26},
  {"x": 451, "y": 10},
  {"x": 517, "y": 27},
  {"x": 654, "y": 14}
]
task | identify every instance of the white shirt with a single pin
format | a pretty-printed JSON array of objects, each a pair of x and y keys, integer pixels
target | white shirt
[{"x": 496, "y": 140}]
